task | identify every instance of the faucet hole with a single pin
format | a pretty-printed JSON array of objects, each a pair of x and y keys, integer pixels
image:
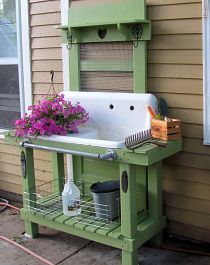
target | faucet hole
[
  {"x": 111, "y": 106},
  {"x": 131, "y": 107}
]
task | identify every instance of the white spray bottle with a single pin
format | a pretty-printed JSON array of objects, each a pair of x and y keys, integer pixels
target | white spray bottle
[{"x": 70, "y": 194}]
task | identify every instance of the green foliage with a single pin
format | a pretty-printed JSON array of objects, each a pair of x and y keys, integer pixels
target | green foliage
[{"x": 159, "y": 117}]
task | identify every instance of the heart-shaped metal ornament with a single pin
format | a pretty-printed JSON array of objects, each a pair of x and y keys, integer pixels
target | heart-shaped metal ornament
[{"x": 102, "y": 33}]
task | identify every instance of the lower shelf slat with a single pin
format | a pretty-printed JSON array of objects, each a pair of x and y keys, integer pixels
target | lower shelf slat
[
  {"x": 105, "y": 232},
  {"x": 61, "y": 218}
]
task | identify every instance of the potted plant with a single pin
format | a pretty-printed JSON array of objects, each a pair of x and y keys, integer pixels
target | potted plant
[{"x": 52, "y": 115}]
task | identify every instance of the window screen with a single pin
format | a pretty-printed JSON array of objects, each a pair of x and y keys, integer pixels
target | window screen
[{"x": 9, "y": 83}]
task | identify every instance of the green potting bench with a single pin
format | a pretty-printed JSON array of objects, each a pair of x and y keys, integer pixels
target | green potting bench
[
  {"x": 139, "y": 171},
  {"x": 141, "y": 204}
]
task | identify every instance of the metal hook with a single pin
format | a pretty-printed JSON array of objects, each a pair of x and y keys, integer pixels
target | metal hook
[
  {"x": 52, "y": 73},
  {"x": 137, "y": 32},
  {"x": 70, "y": 39},
  {"x": 136, "y": 43}
]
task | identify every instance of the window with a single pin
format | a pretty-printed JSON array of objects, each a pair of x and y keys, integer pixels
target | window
[
  {"x": 206, "y": 70},
  {"x": 9, "y": 65}
]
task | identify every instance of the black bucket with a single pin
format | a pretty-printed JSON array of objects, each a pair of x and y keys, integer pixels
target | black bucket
[{"x": 106, "y": 197}]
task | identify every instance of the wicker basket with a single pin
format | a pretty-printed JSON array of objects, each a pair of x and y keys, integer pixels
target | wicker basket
[{"x": 166, "y": 130}]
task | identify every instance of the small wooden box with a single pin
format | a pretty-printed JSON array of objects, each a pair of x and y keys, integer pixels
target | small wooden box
[{"x": 166, "y": 130}]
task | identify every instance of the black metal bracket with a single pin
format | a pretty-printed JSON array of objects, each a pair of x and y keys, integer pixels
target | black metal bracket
[
  {"x": 124, "y": 181},
  {"x": 70, "y": 38},
  {"x": 23, "y": 164},
  {"x": 137, "y": 32}
]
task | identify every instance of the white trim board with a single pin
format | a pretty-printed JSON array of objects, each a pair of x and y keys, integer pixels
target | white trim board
[
  {"x": 27, "y": 96},
  {"x": 24, "y": 55},
  {"x": 66, "y": 79},
  {"x": 20, "y": 53},
  {"x": 65, "y": 51},
  {"x": 206, "y": 70}
]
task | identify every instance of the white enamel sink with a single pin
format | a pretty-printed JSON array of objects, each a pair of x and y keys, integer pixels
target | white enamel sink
[{"x": 113, "y": 117}]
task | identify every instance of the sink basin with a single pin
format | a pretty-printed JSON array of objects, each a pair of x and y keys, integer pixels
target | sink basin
[
  {"x": 87, "y": 136},
  {"x": 113, "y": 117}
]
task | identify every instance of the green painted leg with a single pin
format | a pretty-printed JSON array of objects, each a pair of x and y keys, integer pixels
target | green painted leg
[
  {"x": 128, "y": 209},
  {"x": 140, "y": 66},
  {"x": 155, "y": 196},
  {"x": 31, "y": 229},
  {"x": 58, "y": 172},
  {"x": 155, "y": 190},
  {"x": 129, "y": 258}
]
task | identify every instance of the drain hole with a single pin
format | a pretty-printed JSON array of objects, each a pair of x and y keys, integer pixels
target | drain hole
[
  {"x": 131, "y": 107},
  {"x": 111, "y": 106}
]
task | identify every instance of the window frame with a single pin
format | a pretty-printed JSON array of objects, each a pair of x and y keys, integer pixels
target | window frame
[
  {"x": 23, "y": 33},
  {"x": 8, "y": 60},
  {"x": 206, "y": 71},
  {"x": 23, "y": 60}
]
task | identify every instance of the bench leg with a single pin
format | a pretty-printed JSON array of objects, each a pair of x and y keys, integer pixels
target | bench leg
[
  {"x": 29, "y": 183},
  {"x": 155, "y": 196},
  {"x": 129, "y": 258},
  {"x": 128, "y": 209},
  {"x": 31, "y": 229},
  {"x": 58, "y": 172}
]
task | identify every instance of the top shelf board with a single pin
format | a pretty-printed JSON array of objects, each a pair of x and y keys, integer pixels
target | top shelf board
[
  {"x": 136, "y": 21},
  {"x": 121, "y": 31},
  {"x": 107, "y": 21},
  {"x": 102, "y": 13}
]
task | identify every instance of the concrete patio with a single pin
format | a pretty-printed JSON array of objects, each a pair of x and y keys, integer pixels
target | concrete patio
[{"x": 64, "y": 249}]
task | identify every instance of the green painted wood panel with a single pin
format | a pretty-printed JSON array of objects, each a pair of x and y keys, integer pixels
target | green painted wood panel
[
  {"x": 58, "y": 172},
  {"x": 102, "y": 65},
  {"x": 140, "y": 67},
  {"x": 116, "y": 32},
  {"x": 105, "y": 13},
  {"x": 74, "y": 67},
  {"x": 128, "y": 201},
  {"x": 155, "y": 189},
  {"x": 92, "y": 170}
]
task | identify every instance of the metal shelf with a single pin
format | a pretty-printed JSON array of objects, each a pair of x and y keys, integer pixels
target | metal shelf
[{"x": 45, "y": 201}]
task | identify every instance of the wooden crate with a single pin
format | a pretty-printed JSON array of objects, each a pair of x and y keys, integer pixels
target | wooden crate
[{"x": 166, "y": 130}]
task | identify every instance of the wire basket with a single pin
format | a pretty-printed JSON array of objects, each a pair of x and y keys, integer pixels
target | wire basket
[{"x": 45, "y": 200}]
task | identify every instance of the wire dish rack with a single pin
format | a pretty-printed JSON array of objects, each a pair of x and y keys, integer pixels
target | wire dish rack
[{"x": 45, "y": 200}]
